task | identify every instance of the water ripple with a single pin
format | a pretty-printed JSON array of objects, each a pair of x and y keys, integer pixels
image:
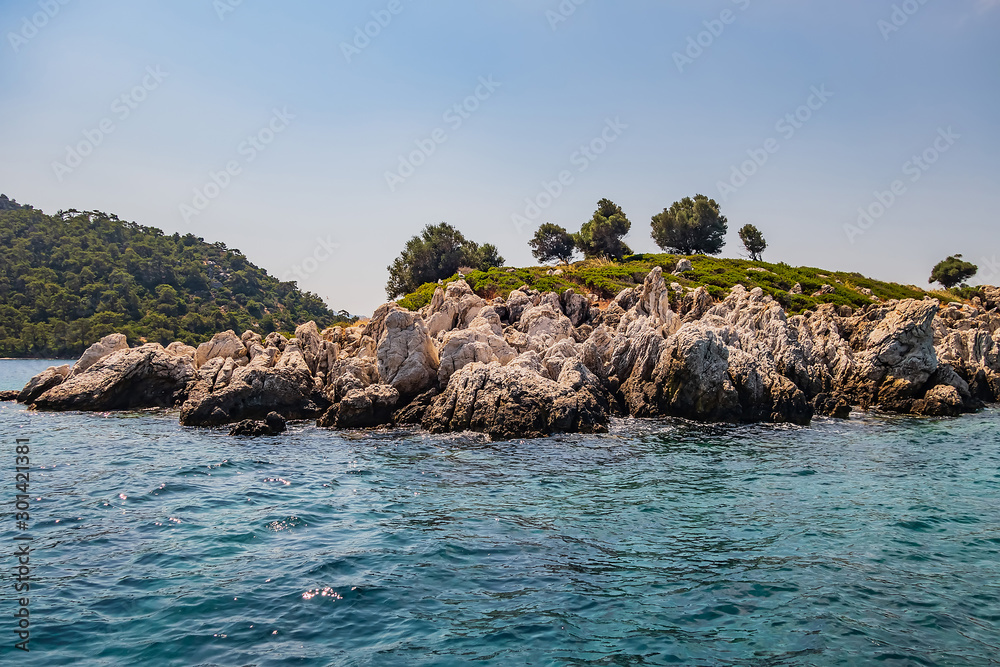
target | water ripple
[{"x": 662, "y": 542}]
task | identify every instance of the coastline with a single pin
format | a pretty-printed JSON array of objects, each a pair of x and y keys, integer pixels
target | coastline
[{"x": 540, "y": 363}]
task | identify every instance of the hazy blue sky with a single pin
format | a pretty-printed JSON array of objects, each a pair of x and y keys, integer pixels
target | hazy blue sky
[{"x": 183, "y": 84}]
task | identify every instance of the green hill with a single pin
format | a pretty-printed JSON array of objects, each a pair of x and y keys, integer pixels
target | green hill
[
  {"x": 717, "y": 275},
  {"x": 68, "y": 279}
]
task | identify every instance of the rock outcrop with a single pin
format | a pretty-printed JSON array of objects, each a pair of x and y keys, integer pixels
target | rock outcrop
[
  {"x": 535, "y": 364},
  {"x": 482, "y": 342},
  {"x": 179, "y": 349},
  {"x": 144, "y": 377},
  {"x": 967, "y": 339},
  {"x": 272, "y": 424},
  {"x": 413, "y": 414},
  {"x": 105, "y": 347},
  {"x": 372, "y": 406},
  {"x": 991, "y": 297},
  {"x": 51, "y": 377},
  {"x": 407, "y": 357},
  {"x": 514, "y": 402},
  {"x": 225, "y": 345},
  {"x": 895, "y": 355},
  {"x": 253, "y": 393}
]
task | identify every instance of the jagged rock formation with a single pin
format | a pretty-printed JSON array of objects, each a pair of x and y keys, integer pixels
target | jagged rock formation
[
  {"x": 407, "y": 357},
  {"x": 363, "y": 408},
  {"x": 536, "y": 364},
  {"x": 231, "y": 389},
  {"x": 517, "y": 401}
]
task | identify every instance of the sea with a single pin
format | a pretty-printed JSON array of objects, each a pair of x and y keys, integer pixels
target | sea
[{"x": 874, "y": 541}]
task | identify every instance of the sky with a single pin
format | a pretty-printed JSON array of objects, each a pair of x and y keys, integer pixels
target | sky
[{"x": 858, "y": 135}]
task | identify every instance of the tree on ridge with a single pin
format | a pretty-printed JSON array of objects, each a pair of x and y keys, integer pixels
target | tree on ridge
[{"x": 691, "y": 227}]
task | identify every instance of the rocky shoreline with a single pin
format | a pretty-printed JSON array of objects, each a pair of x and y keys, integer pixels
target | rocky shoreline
[{"x": 535, "y": 364}]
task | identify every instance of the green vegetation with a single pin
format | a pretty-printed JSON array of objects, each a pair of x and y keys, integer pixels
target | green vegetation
[
  {"x": 438, "y": 252},
  {"x": 601, "y": 237},
  {"x": 69, "y": 279},
  {"x": 953, "y": 271},
  {"x": 967, "y": 293},
  {"x": 717, "y": 275},
  {"x": 753, "y": 241},
  {"x": 691, "y": 227},
  {"x": 552, "y": 243}
]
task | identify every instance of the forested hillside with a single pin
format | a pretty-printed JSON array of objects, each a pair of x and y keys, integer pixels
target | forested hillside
[{"x": 68, "y": 279}]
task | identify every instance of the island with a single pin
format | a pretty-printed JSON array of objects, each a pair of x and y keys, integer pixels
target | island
[{"x": 535, "y": 363}]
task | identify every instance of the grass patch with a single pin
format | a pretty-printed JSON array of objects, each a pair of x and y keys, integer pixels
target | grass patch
[{"x": 717, "y": 275}]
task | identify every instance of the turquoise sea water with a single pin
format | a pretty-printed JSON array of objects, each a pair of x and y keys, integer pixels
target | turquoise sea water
[{"x": 875, "y": 541}]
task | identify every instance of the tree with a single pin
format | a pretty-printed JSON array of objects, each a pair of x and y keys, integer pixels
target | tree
[
  {"x": 602, "y": 235},
  {"x": 753, "y": 241},
  {"x": 691, "y": 227},
  {"x": 552, "y": 242},
  {"x": 436, "y": 253},
  {"x": 953, "y": 271}
]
